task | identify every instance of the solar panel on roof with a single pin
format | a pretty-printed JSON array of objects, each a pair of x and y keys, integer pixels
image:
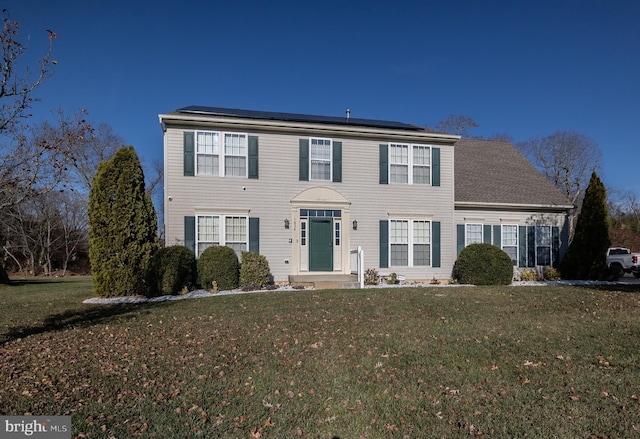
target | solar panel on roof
[{"x": 294, "y": 117}]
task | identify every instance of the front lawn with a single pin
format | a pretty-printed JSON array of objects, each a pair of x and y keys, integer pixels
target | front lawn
[{"x": 375, "y": 363}]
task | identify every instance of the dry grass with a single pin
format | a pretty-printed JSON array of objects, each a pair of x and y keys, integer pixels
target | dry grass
[{"x": 376, "y": 363}]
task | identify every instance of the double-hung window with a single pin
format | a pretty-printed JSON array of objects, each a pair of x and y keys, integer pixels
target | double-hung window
[
  {"x": 421, "y": 164},
  {"x": 543, "y": 245},
  {"x": 410, "y": 243},
  {"x": 221, "y": 154},
  {"x": 235, "y": 151},
  {"x": 320, "y": 159},
  {"x": 409, "y": 164},
  {"x": 230, "y": 231},
  {"x": 398, "y": 163},
  {"x": 207, "y": 153},
  {"x": 421, "y": 243},
  {"x": 510, "y": 241},
  {"x": 473, "y": 234},
  {"x": 208, "y": 232}
]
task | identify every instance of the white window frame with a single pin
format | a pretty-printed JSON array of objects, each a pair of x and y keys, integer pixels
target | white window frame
[
  {"x": 323, "y": 160},
  {"x": 222, "y": 232},
  {"x": 410, "y": 242},
  {"x": 503, "y": 230},
  {"x": 467, "y": 241},
  {"x": 222, "y": 153},
  {"x": 411, "y": 163}
]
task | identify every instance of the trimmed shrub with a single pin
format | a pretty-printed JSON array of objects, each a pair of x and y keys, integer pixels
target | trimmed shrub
[
  {"x": 551, "y": 273},
  {"x": 483, "y": 264},
  {"x": 371, "y": 277},
  {"x": 172, "y": 270},
  {"x": 219, "y": 264},
  {"x": 529, "y": 275},
  {"x": 254, "y": 270}
]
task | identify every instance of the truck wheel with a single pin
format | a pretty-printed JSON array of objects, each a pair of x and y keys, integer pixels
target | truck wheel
[
  {"x": 637, "y": 275},
  {"x": 616, "y": 271}
]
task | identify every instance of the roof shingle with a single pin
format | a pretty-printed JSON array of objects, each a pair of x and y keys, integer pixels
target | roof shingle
[{"x": 492, "y": 171}]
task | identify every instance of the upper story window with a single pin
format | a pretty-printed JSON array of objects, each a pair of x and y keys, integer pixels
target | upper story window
[
  {"x": 214, "y": 149},
  {"x": 320, "y": 159},
  {"x": 409, "y": 164}
]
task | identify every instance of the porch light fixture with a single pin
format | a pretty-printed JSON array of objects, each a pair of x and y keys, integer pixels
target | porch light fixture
[
  {"x": 286, "y": 223},
  {"x": 355, "y": 225}
]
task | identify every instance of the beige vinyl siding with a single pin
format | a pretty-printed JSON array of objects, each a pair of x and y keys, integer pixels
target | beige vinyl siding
[
  {"x": 269, "y": 198},
  {"x": 506, "y": 216}
]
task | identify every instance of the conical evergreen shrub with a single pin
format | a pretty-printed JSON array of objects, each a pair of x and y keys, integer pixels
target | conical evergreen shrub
[
  {"x": 122, "y": 227},
  {"x": 586, "y": 255}
]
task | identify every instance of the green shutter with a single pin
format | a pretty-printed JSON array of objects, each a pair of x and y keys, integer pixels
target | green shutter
[
  {"x": 304, "y": 160},
  {"x": 188, "y": 155},
  {"x": 384, "y": 164},
  {"x": 254, "y": 235},
  {"x": 190, "y": 232},
  {"x": 460, "y": 232},
  {"x": 337, "y": 162},
  {"x": 497, "y": 236},
  {"x": 435, "y": 166},
  {"x": 435, "y": 237},
  {"x": 555, "y": 246},
  {"x": 531, "y": 246},
  {"x": 253, "y": 157},
  {"x": 486, "y": 234},
  {"x": 522, "y": 246},
  {"x": 384, "y": 244}
]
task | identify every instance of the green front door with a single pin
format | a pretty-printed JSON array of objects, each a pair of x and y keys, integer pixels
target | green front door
[{"x": 320, "y": 244}]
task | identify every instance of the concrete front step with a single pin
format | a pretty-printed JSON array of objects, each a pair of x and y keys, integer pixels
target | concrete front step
[{"x": 325, "y": 281}]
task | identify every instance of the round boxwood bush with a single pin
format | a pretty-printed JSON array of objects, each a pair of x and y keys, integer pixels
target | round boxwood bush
[
  {"x": 483, "y": 264},
  {"x": 219, "y": 264},
  {"x": 254, "y": 270},
  {"x": 171, "y": 270}
]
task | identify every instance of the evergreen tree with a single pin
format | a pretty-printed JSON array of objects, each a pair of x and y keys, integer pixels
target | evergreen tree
[
  {"x": 122, "y": 226},
  {"x": 586, "y": 255}
]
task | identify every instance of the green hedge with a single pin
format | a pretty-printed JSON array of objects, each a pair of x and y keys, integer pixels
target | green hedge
[
  {"x": 171, "y": 270},
  {"x": 483, "y": 264},
  {"x": 254, "y": 270},
  {"x": 218, "y": 264}
]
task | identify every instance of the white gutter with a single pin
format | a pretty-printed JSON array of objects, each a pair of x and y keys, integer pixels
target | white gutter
[{"x": 481, "y": 205}]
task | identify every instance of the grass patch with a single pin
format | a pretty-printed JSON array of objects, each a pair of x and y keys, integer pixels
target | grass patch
[{"x": 441, "y": 362}]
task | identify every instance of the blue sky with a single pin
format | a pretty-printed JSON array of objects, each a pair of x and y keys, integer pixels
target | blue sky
[{"x": 522, "y": 68}]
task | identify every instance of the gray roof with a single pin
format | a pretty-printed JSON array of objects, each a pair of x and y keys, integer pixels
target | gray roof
[
  {"x": 294, "y": 117},
  {"x": 493, "y": 171}
]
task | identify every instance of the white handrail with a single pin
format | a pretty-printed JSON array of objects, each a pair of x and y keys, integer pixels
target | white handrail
[{"x": 357, "y": 264}]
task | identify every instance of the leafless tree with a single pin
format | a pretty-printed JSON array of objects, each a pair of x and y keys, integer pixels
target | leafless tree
[
  {"x": 99, "y": 145},
  {"x": 16, "y": 86},
  {"x": 40, "y": 158},
  {"x": 457, "y": 124},
  {"x": 567, "y": 159}
]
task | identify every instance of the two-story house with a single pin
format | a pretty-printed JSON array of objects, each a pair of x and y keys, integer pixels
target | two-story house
[{"x": 305, "y": 191}]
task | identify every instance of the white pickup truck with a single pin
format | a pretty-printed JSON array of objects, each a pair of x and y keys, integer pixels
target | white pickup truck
[{"x": 620, "y": 261}]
